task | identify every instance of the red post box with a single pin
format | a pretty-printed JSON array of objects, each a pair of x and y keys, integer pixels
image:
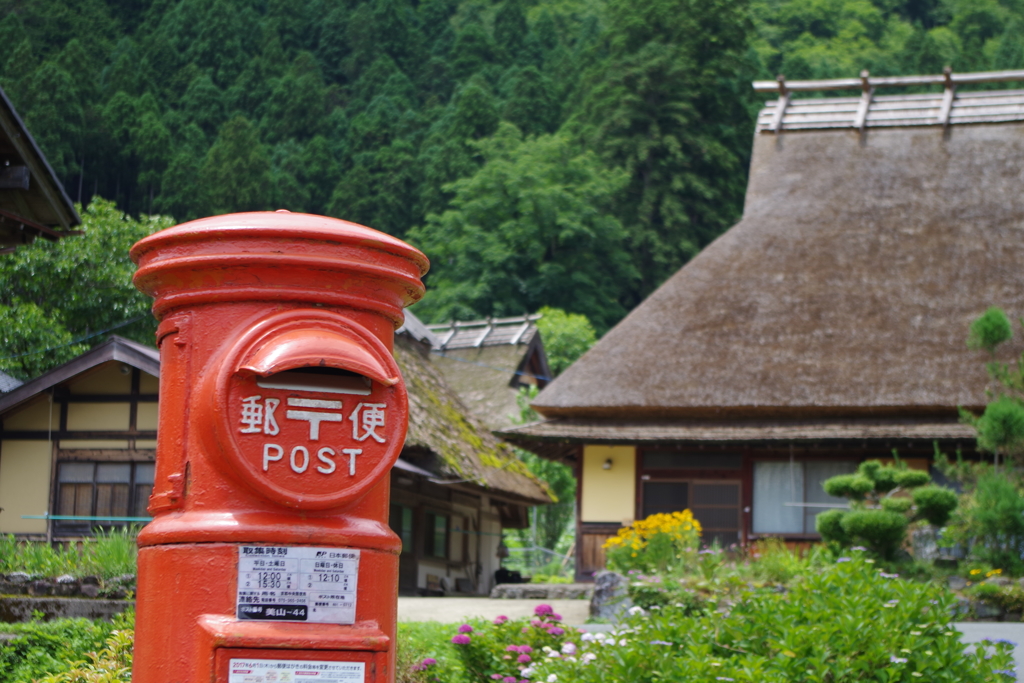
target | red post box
[{"x": 269, "y": 558}]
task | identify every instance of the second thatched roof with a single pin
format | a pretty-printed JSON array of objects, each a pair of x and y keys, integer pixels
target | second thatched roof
[{"x": 846, "y": 289}]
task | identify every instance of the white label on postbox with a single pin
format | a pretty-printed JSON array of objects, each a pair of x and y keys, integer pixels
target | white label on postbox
[
  {"x": 294, "y": 671},
  {"x": 297, "y": 583}
]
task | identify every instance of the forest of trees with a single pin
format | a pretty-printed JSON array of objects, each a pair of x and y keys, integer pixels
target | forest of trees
[{"x": 567, "y": 153}]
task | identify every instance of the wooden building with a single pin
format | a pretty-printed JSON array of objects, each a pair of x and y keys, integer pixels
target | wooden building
[
  {"x": 78, "y": 445},
  {"x": 825, "y": 328},
  {"x": 33, "y": 202}
]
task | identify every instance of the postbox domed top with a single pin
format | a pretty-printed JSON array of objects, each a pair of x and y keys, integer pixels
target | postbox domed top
[
  {"x": 280, "y": 223},
  {"x": 278, "y": 255}
]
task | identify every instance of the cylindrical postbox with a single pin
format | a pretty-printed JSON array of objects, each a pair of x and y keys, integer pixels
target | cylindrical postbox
[{"x": 269, "y": 558}]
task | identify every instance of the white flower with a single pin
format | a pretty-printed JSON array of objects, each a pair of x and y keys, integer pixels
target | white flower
[
  {"x": 547, "y": 648},
  {"x": 552, "y": 678},
  {"x": 587, "y": 637},
  {"x": 527, "y": 672},
  {"x": 636, "y": 609},
  {"x": 589, "y": 657},
  {"x": 569, "y": 648},
  {"x": 622, "y": 642}
]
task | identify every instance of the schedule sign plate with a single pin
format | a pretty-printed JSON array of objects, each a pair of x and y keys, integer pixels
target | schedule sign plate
[
  {"x": 297, "y": 583},
  {"x": 295, "y": 671}
]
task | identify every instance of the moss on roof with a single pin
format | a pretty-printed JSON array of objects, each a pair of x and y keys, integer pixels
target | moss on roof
[{"x": 465, "y": 449}]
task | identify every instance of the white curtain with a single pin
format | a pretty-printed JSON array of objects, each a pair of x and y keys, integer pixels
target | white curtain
[{"x": 776, "y": 483}]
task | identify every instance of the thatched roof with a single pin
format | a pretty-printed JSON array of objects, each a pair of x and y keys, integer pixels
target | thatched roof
[
  {"x": 446, "y": 439},
  {"x": 846, "y": 289},
  {"x": 487, "y": 361}
]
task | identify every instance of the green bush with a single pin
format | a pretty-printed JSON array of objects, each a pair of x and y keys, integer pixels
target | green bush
[
  {"x": 54, "y": 647},
  {"x": 829, "y": 525},
  {"x": 935, "y": 504},
  {"x": 775, "y": 562},
  {"x": 880, "y": 530},
  {"x": 994, "y": 519},
  {"x": 852, "y": 486},
  {"x": 848, "y": 623},
  {"x": 509, "y": 648},
  {"x": 990, "y": 330},
  {"x": 879, "y": 518}
]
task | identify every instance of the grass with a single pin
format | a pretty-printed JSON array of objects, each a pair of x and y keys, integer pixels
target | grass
[{"x": 110, "y": 553}]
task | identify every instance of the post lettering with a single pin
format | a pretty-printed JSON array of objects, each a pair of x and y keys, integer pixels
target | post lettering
[
  {"x": 305, "y": 459},
  {"x": 322, "y": 456},
  {"x": 267, "y": 458}
]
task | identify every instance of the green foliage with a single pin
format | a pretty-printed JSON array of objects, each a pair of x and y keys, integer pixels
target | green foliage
[
  {"x": 112, "y": 664},
  {"x": 1001, "y": 427},
  {"x": 56, "y": 292},
  {"x": 505, "y": 647},
  {"x": 775, "y": 562},
  {"x": 879, "y": 518},
  {"x": 935, "y": 504},
  {"x": 813, "y": 632},
  {"x": 566, "y": 336},
  {"x": 880, "y": 530},
  {"x": 46, "y": 650},
  {"x": 993, "y": 520},
  {"x": 423, "y": 641},
  {"x": 853, "y": 486},
  {"x": 990, "y": 330},
  {"x": 532, "y": 227}
]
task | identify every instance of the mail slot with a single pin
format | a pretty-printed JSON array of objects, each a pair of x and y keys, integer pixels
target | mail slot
[{"x": 282, "y": 410}]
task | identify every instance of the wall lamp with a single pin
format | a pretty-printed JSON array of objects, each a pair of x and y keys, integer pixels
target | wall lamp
[{"x": 607, "y": 464}]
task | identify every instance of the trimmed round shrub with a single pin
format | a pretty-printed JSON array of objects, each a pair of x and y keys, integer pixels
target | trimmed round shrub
[
  {"x": 935, "y": 504},
  {"x": 830, "y": 525},
  {"x": 910, "y": 479},
  {"x": 1001, "y": 426},
  {"x": 854, "y": 486},
  {"x": 883, "y": 477},
  {"x": 990, "y": 330},
  {"x": 881, "y": 530},
  {"x": 900, "y": 505}
]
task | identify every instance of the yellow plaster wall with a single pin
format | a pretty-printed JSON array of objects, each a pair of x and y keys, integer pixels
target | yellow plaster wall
[
  {"x": 145, "y": 418},
  {"x": 98, "y": 416},
  {"x": 106, "y": 379},
  {"x": 34, "y": 415},
  {"x": 148, "y": 384},
  {"x": 608, "y": 495},
  {"x": 24, "y": 485}
]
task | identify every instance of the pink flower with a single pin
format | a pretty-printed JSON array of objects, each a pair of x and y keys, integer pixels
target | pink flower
[
  {"x": 556, "y": 616},
  {"x": 512, "y": 648},
  {"x": 524, "y": 659},
  {"x": 526, "y": 630},
  {"x": 536, "y": 622},
  {"x": 461, "y": 639},
  {"x": 465, "y": 628},
  {"x": 495, "y": 677},
  {"x": 508, "y": 679},
  {"x": 525, "y": 649},
  {"x": 556, "y": 631},
  {"x": 541, "y": 610},
  {"x": 500, "y": 619},
  {"x": 429, "y": 661}
]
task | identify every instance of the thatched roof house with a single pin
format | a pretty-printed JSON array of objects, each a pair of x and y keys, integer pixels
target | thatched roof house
[
  {"x": 488, "y": 361},
  {"x": 826, "y": 327}
]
